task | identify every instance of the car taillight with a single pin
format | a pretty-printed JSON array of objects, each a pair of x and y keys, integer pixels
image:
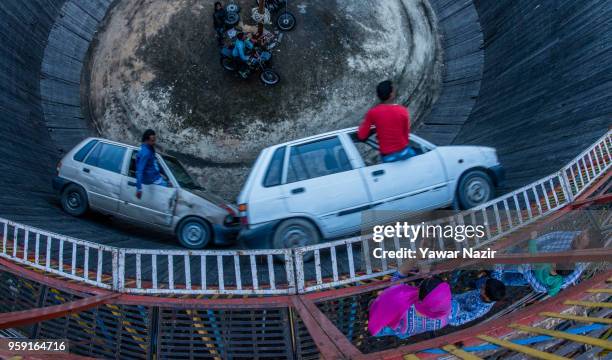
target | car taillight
[
  {"x": 230, "y": 219},
  {"x": 58, "y": 167},
  {"x": 244, "y": 219}
]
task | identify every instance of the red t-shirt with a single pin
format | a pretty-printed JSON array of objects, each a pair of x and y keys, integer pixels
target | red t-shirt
[{"x": 392, "y": 124}]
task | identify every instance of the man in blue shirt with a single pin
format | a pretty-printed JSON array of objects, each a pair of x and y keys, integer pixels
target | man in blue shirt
[
  {"x": 147, "y": 167},
  {"x": 240, "y": 52}
]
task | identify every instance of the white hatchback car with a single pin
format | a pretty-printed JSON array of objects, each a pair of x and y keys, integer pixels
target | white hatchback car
[
  {"x": 303, "y": 191},
  {"x": 100, "y": 174}
]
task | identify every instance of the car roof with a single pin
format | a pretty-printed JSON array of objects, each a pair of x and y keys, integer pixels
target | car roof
[
  {"x": 315, "y": 137},
  {"x": 109, "y": 142},
  {"x": 131, "y": 147},
  {"x": 330, "y": 133}
]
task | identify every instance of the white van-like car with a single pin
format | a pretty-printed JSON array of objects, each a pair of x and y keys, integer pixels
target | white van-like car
[
  {"x": 303, "y": 191},
  {"x": 100, "y": 174}
]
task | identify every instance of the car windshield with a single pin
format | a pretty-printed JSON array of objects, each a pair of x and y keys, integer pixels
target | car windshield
[{"x": 180, "y": 173}]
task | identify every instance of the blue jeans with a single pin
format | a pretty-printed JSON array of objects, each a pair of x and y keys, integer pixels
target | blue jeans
[{"x": 405, "y": 154}]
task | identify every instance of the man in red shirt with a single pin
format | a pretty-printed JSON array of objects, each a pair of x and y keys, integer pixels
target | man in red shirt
[{"x": 392, "y": 123}]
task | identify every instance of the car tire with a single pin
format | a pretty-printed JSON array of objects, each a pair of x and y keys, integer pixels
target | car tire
[
  {"x": 74, "y": 200},
  {"x": 295, "y": 233},
  {"x": 475, "y": 188},
  {"x": 194, "y": 233}
]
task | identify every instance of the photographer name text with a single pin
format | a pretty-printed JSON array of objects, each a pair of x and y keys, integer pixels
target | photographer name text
[{"x": 426, "y": 253}]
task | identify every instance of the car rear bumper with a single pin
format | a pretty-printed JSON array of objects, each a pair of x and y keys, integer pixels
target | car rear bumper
[
  {"x": 59, "y": 183},
  {"x": 258, "y": 236},
  {"x": 225, "y": 235},
  {"x": 499, "y": 174}
]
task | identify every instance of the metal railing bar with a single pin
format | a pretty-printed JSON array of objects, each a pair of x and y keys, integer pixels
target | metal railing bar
[
  {"x": 221, "y": 275},
  {"x": 138, "y": 271},
  {"x": 317, "y": 259},
  {"x": 254, "y": 278},
  {"x": 15, "y": 241},
  {"x": 203, "y": 271},
  {"x": 351, "y": 261},
  {"x": 237, "y": 270},
  {"x": 187, "y": 264},
  {"x": 86, "y": 262},
  {"x": 26, "y": 240},
  {"x": 60, "y": 264},
  {"x": 271, "y": 272},
  {"x": 48, "y": 253},
  {"x": 334, "y": 261},
  {"x": 37, "y": 249},
  {"x": 154, "y": 271}
]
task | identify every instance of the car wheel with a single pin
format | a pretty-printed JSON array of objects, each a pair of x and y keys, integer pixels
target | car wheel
[
  {"x": 475, "y": 188},
  {"x": 295, "y": 233},
  {"x": 74, "y": 200},
  {"x": 194, "y": 233}
]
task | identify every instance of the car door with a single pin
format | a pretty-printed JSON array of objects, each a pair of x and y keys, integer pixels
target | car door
[
  {"x": 156, "y": 205},
  {"x": 101, "y": 176},
  {"x": 321, "y": 182},
  {"x": 269, "y": 200},
  {"x": 404, "y": 186}
]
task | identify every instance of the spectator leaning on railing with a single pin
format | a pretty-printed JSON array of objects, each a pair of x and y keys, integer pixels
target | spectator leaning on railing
[{"x": 546, "y": 278}]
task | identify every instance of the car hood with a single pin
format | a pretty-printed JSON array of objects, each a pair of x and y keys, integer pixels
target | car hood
[{"x": 217, "y": 200}]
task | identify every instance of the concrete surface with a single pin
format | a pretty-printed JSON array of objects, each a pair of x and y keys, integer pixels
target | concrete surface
[{"x": 155, "y": 64}]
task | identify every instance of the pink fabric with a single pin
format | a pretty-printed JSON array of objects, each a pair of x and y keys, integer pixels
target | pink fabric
[{"x": 392, "y": 304}]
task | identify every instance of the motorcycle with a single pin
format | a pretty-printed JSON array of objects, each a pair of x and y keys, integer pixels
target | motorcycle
[
  {"x": 259, "y": 60},
  {"x": 285, "y": 20}
]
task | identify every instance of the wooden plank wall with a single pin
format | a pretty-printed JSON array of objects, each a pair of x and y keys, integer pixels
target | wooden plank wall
[
  {"x": 27, "y": 153},
  {"x": 546, "y": 92},
  {"x": 461, "y": 41},
  {"x": 60, "y": 82}
]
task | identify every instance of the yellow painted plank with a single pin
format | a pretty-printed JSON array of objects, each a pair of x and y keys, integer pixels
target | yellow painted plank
[
  {"x": 600, "y": 291},
  {"x": 461, "y": 354},
  {"x": 411, "y": 357},
  {"x": 605, "y": 344},
  {"x": 589, "y": 304},
  {"x": 587, "y": 319},
  {"x": 521, "y": 348}
]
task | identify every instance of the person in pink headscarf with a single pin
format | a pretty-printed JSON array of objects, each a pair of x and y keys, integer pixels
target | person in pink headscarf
[{"x": 404, "y": 310}]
